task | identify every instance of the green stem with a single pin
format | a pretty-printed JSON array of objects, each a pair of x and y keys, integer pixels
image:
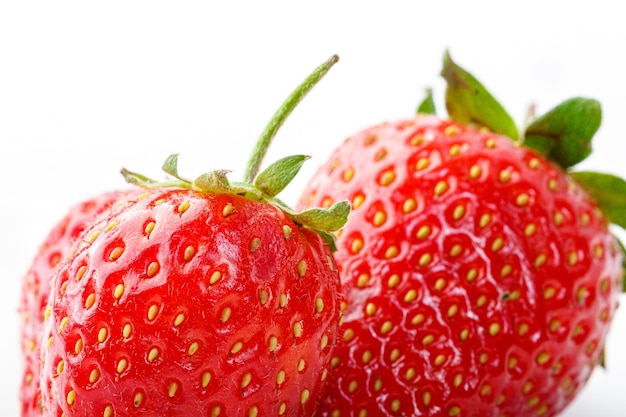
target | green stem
[{"x": 260, "y": 149}]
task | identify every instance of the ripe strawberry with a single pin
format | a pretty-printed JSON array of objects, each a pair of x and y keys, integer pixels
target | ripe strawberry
[
  {"x": 36, "y": 289},
  {"x": 480, "y": 278},
  {"x": 199, "y": 298}
]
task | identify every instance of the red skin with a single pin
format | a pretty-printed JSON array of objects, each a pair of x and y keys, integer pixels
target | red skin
[
  {"x": 176, "y": 321},
  {"x": 36, "y": 289},
  {"x": 506, "y": 318}
]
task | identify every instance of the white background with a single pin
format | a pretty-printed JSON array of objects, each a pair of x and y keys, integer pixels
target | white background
[{"x": 89, "y": 87}]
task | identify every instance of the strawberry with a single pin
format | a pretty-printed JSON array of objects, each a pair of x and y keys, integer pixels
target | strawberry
[
  {"x": 36, "y": 289},
  {"x": 198, "y": 298},
  {"x": 480, "y": 276}
]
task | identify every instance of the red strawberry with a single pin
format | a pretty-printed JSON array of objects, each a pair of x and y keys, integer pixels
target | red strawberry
[
  {"x": 200, "y": 298},
  {"x": 480, "y": 278},
  {"x": 36, "y": 288}
]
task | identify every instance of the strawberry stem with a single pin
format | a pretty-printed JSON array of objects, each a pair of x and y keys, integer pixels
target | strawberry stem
[{"x": 260, "y": 149}]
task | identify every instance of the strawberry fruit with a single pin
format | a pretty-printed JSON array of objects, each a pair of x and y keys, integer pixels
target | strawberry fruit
[
  {"x": 480, "y": 277},
  {"x": 198, "y": 298},
  {"x": 36, "y": 290}
]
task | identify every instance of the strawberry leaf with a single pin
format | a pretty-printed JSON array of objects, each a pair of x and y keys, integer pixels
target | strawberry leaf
[
  {"x": 609, "y": 192},
  {"x": 145, "y": 182},
  {"x": 279, "y": 174},
  {"x": 170, "y": 166},
  {"x": 468, "y": 101},
  {"x": 564, "y": 133},
  {"x": 427, "y": 106},
  {"x": 329, "y": 220}
]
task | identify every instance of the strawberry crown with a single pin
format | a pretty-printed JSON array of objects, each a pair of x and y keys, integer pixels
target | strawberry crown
[
  {"x": 266, "y": 185},
  {"x": 562, "y": 135}
]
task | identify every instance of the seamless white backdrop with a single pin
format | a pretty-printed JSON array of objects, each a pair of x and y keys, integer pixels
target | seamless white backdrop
[{"x": 89, "y": 87}]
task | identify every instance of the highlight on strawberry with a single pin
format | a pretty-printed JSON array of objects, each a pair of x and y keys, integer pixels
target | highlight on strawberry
[
  {"x": 196, "y": 297},
  {"x": 479, "y": 268}
]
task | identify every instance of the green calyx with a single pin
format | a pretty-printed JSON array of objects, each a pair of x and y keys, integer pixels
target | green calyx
[
  {"x": 267, "y": 184},
  {"x": 562, "y": 135}
]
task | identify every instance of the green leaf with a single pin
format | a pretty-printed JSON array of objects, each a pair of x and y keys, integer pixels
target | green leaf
[
  {"x": 564, "y": 133},
  {"x": 468, "y": 101},
  {"x": 170, "y": 166},
  {"x": 427, "y": 106},
  {"x": 279, "y": 117},
  {"x": 148, "y": 183},
  {"x": 623, "y": 251},
  {"x": 329, "y": 238},
  {"x": 609, "y": 192},
  {"x": 213, "y": 182},
  {"x": 329, "y": 220},
  {"x": 278, "y": 175}
]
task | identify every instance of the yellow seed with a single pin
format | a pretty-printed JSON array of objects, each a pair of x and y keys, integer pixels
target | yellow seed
[
  {"x": 206, "y": 378},
  {"x": 108, "y": 411},
  {"x": 440, "y": 359},
  {"x": 540, "y": 260},
  {"x": 297, "y": 329},
  {"x": 153, "y": 354},
  {"x": 394, "y": 355},
  {"x": 475, "y": 171},
  {"x": 378, "y": 385},
  {"x": 263, "y": 296},
  {"x": 425, "y": 259},
  {"x": 396, "y": 405},
  {"x": 255, "y": 244},
  {"x": 60, "y": 367},
  {"x": 451, "y": 130},
  {"x": 282, "y": 300},
  {"x": 490, "y": 143},
  {"x": 393, "y": 281},
  {"x": 422, "y": 164},
  {"x": 215, "y": 276},
  {"x": 287, "y": 232},
  {"x": 153, "y": 311},
  {"x": 280, "y": 377},
  {"x": 357, "y": 201},
  {"x": 319, "y": 305},
  {"x": 126, "y": 331},
  {"x": 484, "y": 221},
  {"x": 362, "y": 280},
  {"x": 302, "y": 268},
  {"x": 454, "y": 411},
  {"x": 391, "y": 252},
  {"x": 71, "y": 397},
  {"x": 494, "y": 329},
  {"x": 459, "y": 212},
  {"x": 549, "y": 292},
  {"x": 558, "y": 218},
  {"x": 282, "y": 409},
  {"x": 506, "y": 270},
  {"x": 102, "y": 334},
  {"x": 149, "y": 228},
  {"x": 226, "y": 313},
  {"x": 426, "y": 397},
  {"x": 153, "y": 269},
  {"x": 387, "y": 178},
  {"x": 423, "y": 232},
  {"x": 194, "y": 346},
  {"x": 428, "y": 339},
  {"x": 273, "y": 343},
  {"x": 246, "y": 379},
  {"x": 572, "y": 258},
  {"x": 63, "y": 323},
  {"x": 481, "y": 301},
  {"x": 253, "y": 411},
  {"x": 522, "y": 200},
  {"x": 78, "y": 346},
  {"x": 440, "y": 284},
  {"x": 116, "y": 253},
  {"x": 410, "y": 296},
  {"x": 464, "y": 334},
  {"x": 81, "y": 272},
  {"x": 138, "y": 399},
  {"x": 216, "y": 411},
  {"x": 530, "y": 229},
  {"x": 183, "y": 207},
  {"x": 522, "y": 329},
  {"x": 471, "y": 274},
  {"x": 455, "y": 150},
  {"x": 542, "y": 358},
  {"x": 386, "y": 327},
  {"x": 122, "y": 365},
  {"x": 440, "y": 188},
  {"x": 505, "y": 176},
  {"x": 90, "y": 301},
  {"x": 348, "y": 174},
  {"x": 228, "y": 210},
  {"x": 553, "y": 185},
  {"x": 379, "y": 218},
  {"x": 301, "y": 365},
  {"x": 171, "y": 390},
  {"x": 93, "y": 236},
  {"x": 497, "y": 244},
  {"x": 94, "y": 375},
  {"x": 178, "y": 320},
  {"x": 111, "y": 226},
  {"x": 357, "y": 245},
  {"x": 190, "y": 251},
  {"x": 409, "y": 205},
  {"x": 453, "y": 310},
  {"x": 119, "y": 291},
  {"x": 366, "y": 357},
  {"x": 418, "y": 319},
  {"x": 324, "y": 342},
  {"x": 534, "y": 163},
  {"x": 456, "y": 250},
  {"x": 410, "y": 374},
  {"x": 370, "y": 309}
]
